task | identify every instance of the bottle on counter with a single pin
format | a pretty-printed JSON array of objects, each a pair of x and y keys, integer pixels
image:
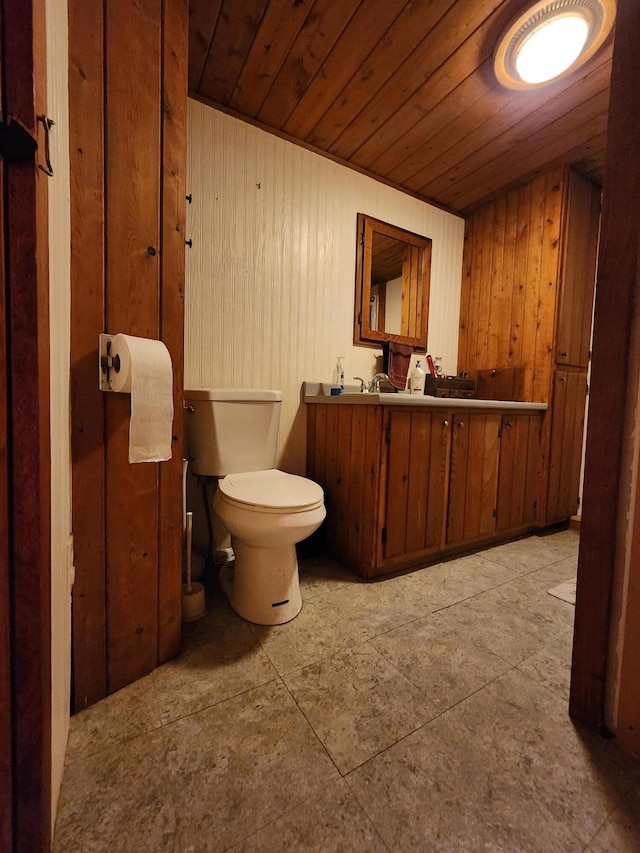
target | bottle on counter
[
  {"x": 416, "y": 380},
  {"x": 337, "y": 384}
]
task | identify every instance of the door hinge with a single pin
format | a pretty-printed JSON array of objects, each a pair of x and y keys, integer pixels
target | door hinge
[
  {"x": 387, "y": 434},
  {"x": 495, "y": 512},
  {"x": 384, "y": 535},
  {"x": 361, "y": 238},
  {"x": 16, "y": 143},
  {"x": 535, "y": 504}
]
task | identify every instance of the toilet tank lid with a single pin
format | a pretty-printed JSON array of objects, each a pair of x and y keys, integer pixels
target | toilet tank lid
[{"x": 233, "y": 394}]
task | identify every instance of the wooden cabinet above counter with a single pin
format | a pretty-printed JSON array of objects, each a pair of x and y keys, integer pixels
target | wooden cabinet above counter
[{"x": 410, "y": 480}]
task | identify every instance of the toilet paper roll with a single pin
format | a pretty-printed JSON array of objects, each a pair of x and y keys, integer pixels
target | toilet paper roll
[{"x": 146, "y": 373}]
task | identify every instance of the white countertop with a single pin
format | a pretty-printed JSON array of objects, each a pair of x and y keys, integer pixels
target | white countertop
[{"x": 318, "y": 392}]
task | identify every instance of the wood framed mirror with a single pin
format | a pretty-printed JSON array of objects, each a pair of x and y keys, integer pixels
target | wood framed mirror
[{"x": 393, "y": 272}]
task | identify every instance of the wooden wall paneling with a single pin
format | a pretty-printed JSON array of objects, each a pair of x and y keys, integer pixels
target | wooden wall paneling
[
  {"x": 317, "y": 38},
  {"x": 466, "y": 145},
  {"x": 496, "y": 280},
  {"x": 6, "y": 722},
  {"x": 274, "y": 38},
  {"x": 507, "y": 285},
  {"x": 615, "y": 313},
  {"x": 202, "y": 22},
  {"x": 464, "y": 362},
  {"x": 532, "y": 289},
  {"x": 567, "y": 134},
  {"x": 86, "y": 151},
  {"x": 26, "y": 265},
  {"x": 396, "y": 520},
  {"x": 548, "y": 295},
  {"x": 172, "y": 264},
  {"x": 487, "y": 285},
  {"x": 133, "y": 44},
  {"x": 310, "y": 469},
  {"x": 518, "y": 317},
  {"x": 232, "y": 37},
  {"x": 354, "y": 73}
]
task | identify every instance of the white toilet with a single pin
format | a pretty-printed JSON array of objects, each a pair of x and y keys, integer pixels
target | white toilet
[{"x": 233, "y": 434}]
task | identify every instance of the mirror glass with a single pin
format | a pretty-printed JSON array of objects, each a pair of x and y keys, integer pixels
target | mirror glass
[{"x": 392, "y": 284}]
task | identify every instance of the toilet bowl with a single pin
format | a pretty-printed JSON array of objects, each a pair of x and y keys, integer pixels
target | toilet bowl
[
  {"x": 232, "y": 435},
  {"x": 266, "y": 513}
]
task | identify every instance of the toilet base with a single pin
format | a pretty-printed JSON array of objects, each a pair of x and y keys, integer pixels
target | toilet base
[{"x": 263, "y": 586}]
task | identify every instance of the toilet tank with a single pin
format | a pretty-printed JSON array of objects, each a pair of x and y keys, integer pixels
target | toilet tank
[{"x": 231, "y": 430}]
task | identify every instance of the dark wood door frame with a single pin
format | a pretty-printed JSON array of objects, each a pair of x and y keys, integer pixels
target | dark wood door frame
[
  {"x": 615, "y": 306},
  {"x": 25, "y": 461}
]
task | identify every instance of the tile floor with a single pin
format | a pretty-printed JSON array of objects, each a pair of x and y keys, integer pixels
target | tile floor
[{"x": 424, "y": 712}]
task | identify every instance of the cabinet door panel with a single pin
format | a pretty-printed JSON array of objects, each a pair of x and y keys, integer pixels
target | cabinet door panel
[
  {"x": 473, "y": 481},
  {"x": 416, "y": 478},
  {"x": 518, "y": 473},
  {"x": 565, "y": 453}
]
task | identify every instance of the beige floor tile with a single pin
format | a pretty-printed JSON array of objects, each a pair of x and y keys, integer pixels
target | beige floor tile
[
  {"x": 551, "y": 666},
  {"x": 358, "y": 704},
  {"x": 443, "y": 655},
  {"x": 456, "y": 580},
  {"x": 531, "y": 743},
  {"x": 207, "y": 672},
  {"x": 334, "y": 821},
  {"x": 374, "y": 608},
  {"x": 317, "y": 632},
  {"x": 621, "y": 831},
  {"x": 440, "y": 790},
  {"x": 130, "y": 712},
  {"x": 238, "y": 766},
  {"x": 535, "y": 552},
  {"x": 117, "y": 799},
  {"x": 321, "y": 574}
]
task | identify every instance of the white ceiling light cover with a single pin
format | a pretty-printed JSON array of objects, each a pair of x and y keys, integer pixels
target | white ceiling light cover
[{"x": 550, "y": 40}]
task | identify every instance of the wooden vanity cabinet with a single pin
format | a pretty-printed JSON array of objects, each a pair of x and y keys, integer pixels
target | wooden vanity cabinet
[{"x": 406, "y": 486}]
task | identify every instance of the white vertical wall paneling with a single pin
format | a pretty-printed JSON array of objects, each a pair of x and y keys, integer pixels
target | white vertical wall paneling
[
  {"x": 270, "y": 277},
  {"x": 60, "y": 337}
]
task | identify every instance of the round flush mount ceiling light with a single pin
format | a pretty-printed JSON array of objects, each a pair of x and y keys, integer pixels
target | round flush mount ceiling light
[{"x": 550, "y": 40}]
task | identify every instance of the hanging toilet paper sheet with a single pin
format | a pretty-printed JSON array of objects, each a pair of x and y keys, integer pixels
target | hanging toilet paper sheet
[{"x": 146, "y": 373}]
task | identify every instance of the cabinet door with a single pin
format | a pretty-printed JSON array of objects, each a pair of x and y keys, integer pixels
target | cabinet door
[
  {"x": 416, "y": 481},
  {"x": 578, "y": 274},
  {"x": 518, "y": 471},
  {"x": 473, "y": 477},
  {"x": 565, "y": 453}
]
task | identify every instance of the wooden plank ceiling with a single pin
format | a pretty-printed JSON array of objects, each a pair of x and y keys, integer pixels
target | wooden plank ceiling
[{"x": 401, "y": 89}]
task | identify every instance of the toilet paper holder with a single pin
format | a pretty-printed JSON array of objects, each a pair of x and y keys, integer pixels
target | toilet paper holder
[{"x": 107, "y": 361}]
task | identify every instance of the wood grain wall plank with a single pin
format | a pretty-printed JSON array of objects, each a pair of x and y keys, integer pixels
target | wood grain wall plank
[
  {"x": 172, "y": 263},
  {"x": 86, "y": 146},
  {"x": 203, "y": 18},
  {"x": 132, "y": 89},
  {"x": 232, "y": 38},
  {"x": 342, "y": 89},
  {"x": 317, "y": 38},
  {"x": 440, "y": 62}
]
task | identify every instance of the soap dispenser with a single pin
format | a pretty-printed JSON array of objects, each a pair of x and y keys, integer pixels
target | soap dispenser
[
  {"x": 416, "y": 382},
  {"x": 337, "y": 385}
]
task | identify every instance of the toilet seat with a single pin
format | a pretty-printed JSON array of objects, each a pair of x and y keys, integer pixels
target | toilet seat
[{"x": 270, "y": 491}]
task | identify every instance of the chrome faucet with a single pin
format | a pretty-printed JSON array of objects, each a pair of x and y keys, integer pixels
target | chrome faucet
[{"x": 372, "y": 387}]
